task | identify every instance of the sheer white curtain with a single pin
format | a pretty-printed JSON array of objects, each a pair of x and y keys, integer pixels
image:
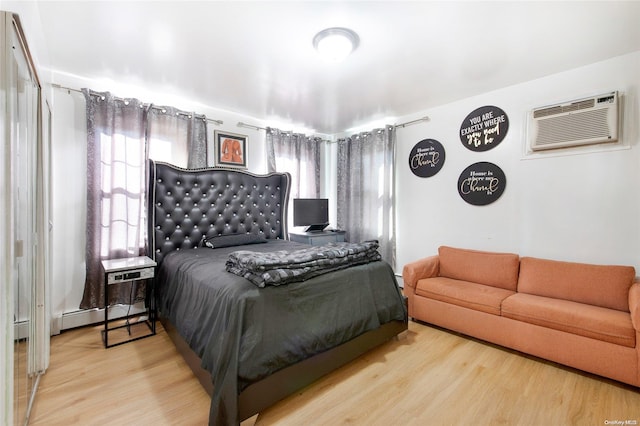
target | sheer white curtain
[
  {"x": 298, "y": 155},
  {"x": 366, "y": 189},
  {"x": 121, "y": 134}
]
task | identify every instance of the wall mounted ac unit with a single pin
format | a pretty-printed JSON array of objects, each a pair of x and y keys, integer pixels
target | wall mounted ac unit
[{"x": 579, "y": 122}]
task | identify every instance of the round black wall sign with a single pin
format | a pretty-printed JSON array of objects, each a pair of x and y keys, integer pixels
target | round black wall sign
[
  {"x": 426, "y": 158},
  {"x": 484, "y": 128},
  {"x": 481, "y": 183}
]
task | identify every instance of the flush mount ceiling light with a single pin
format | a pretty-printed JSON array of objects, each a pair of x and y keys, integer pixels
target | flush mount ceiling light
[{"x": 335, "y": 44}]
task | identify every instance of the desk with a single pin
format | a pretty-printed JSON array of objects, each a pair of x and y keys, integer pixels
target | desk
[
  {"x": 126, "y": 270},
  {"x": 318, "y": 238}
]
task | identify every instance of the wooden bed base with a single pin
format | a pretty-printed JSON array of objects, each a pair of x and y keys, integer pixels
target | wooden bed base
[{"x": 285, "y": 382}]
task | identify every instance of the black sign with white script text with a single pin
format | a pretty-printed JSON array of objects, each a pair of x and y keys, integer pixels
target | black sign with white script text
[
  {"x": 481, "y": 183},
  {"x": 426, "y": 158},
  {"x": 484, "y": 128}
]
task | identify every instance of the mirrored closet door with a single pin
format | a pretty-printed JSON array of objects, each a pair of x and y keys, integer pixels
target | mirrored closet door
[{"x": 24, "y": 223}]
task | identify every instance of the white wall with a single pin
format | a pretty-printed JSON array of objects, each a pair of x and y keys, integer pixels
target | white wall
[
  {"x": 69, "y": 203},
  {"x": 580, "y": 204}
]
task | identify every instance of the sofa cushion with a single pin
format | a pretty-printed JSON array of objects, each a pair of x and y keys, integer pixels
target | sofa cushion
[
  {"x": 463, "y": 293},
  {"x": 494, "y": 269},
  {"x": 599, "y": 285},
  {"x": 604, "y": 324}
]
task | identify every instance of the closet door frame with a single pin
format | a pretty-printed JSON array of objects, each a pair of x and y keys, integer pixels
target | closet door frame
[{"x": 6, "y": 227}]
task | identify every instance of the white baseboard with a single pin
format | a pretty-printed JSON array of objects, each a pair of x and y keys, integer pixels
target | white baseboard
[
  {"x": 84, "y": 317},
  {"x": 20, "y": 330}
]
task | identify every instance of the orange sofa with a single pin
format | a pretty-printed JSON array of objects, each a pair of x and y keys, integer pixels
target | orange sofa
[{"x": 581, "y": 315}]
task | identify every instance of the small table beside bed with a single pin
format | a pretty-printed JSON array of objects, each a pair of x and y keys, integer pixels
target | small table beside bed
[{"x": 253, "y": 335}]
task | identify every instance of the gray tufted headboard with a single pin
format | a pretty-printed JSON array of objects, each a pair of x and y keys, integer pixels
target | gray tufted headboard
[{"x": 185, "y": 205}]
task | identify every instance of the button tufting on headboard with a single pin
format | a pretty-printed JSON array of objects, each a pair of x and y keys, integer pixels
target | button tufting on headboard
[{"x": 187, "y": 205}]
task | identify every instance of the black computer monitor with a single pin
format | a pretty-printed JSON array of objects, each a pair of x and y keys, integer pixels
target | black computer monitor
[{"x": 311, "y": 212}]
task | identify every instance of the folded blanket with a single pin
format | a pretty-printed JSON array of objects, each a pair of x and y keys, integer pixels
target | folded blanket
[{"x": 284, "y": 267}]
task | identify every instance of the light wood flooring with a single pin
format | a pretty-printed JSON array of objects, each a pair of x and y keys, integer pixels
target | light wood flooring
[{"x": 429, "y": 377}]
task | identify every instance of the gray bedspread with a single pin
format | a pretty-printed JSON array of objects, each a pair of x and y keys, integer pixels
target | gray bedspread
[
  {"x": 285, "y": 267},
  {"x": 244, "y": 333}
]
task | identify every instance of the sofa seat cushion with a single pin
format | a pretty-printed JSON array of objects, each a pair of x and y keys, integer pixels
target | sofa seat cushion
[
  {"x": 482, "y": 267},
  {"x": 600, "y": 285},
  {"x": 463, "y": 293},
  {"x": 603, "y": 324}
]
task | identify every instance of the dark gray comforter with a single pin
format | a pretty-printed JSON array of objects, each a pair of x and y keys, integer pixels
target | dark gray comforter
[
  {"x": 244, "y": 333},
  {"x": 284, "y": 267}
]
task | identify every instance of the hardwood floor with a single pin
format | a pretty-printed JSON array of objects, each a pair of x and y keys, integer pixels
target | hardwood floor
[
  {"x": 144, "y": 382},
  {"x": 429, "y": 377}
]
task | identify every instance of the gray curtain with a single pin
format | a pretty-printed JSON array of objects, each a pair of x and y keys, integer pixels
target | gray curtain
[
  {"x": 300, "y": 156},
  {"x": 177, "y": 137},
  {"x": 116, "y": 153},
  {"x": 121, "y": 135},
  {"x": 366, "y": 189}
]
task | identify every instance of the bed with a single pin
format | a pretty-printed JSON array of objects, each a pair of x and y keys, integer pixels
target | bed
[{"x": 251, "y": 346}]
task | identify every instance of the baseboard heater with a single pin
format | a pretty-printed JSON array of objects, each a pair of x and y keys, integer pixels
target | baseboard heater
[{"x": 84, "y": 317}]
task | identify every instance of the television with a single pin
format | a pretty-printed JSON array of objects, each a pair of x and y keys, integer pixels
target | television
[{"x": 312, "y": 213}]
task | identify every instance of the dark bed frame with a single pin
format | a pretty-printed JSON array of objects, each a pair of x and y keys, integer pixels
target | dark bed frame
[{"x": 186, "y": 205}]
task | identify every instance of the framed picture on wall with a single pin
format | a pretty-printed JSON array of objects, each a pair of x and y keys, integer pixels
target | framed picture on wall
[{"x": 230, "y": 149}]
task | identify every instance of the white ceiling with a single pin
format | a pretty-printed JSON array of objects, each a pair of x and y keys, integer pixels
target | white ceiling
[{"x": 257, "y": 58}]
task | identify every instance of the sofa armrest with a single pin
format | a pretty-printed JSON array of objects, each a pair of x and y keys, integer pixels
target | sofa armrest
[
  {"x": 634, "y": 304},
  {"x": 423, "y": 268}
]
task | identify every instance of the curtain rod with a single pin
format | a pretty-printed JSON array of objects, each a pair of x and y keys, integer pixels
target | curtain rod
[
  {"x": 69, "y": 89},
  {"x": 250, "y": 126},
  {"x": 408, "y": 123}
]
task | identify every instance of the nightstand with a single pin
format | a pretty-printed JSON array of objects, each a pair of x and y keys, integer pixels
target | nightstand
[
  {"x": 126, "y": 270},
  {"x": 318, "y": 238}
]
